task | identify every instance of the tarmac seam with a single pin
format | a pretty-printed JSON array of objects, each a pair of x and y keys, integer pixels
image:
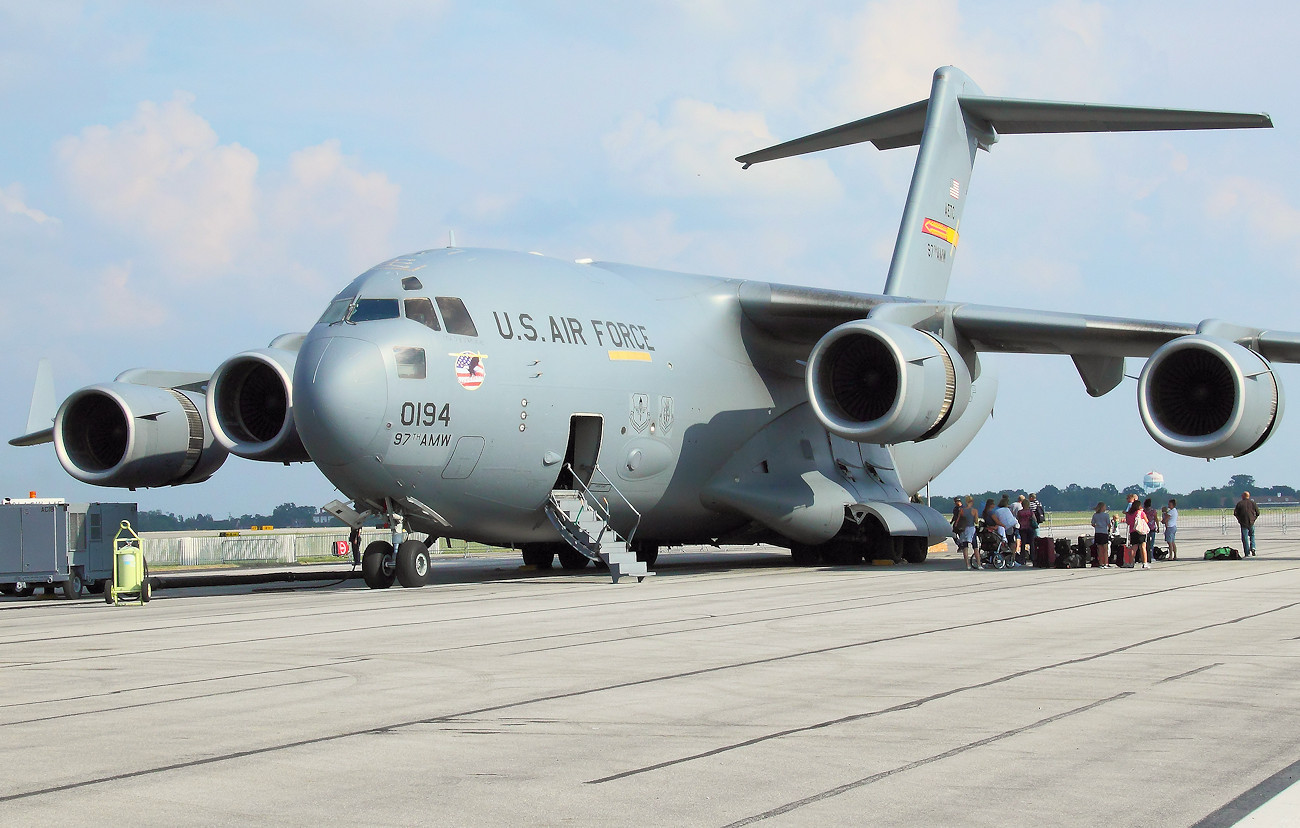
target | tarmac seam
[
  {"x": 160, "y": 702},
  {"x": 1191, "y": 672},
  {"x": 909, "y": 705},
  {"x": 124, "y": 690},
  {"x": 558, "y": 696},
  {"x": 876, "y": 777}
]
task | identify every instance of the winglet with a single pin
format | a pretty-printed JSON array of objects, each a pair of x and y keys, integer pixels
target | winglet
[{"x": 40, "y": 417}]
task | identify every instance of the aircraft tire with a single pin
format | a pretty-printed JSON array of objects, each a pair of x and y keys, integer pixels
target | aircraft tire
[
  {"x": 377, "y": 569},
  {"x": 647, "y": 554},
  {"x": 915, "y": 550},
  {"x": 539, "y": 555},
  {"x": 841, "y": 553},
  {"x": 804, "y": 555},
  {"x": 572, "y": 559},
  {"x": 412, "y": 564}
]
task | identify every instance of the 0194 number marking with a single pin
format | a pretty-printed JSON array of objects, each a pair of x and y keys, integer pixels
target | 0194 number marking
[{"x": 425, "y": 414}]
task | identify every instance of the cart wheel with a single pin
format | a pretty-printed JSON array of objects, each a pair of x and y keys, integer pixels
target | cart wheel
[
  {"x": 24, "y": 591},
  {"x": 146, "y": 591},
  {"x": 108, "y": 590}
]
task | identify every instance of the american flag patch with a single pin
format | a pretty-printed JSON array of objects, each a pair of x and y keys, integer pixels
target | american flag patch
[
  {"x": 955, "y": 189},
  {"x": 469, "y": 370}
]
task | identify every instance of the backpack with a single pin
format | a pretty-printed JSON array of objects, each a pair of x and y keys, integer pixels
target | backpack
[{"x": 1223, "y": 553}]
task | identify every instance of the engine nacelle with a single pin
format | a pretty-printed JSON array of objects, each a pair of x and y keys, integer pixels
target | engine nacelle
[
  {"x": 250, "y": 406},
  {"x": 1208, "y": 397},
  {"x": 135, "y": 436},
  {"x": 879, "y": 382}
]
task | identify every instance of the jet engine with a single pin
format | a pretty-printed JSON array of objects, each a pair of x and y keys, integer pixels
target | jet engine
[
  {"x": 1208, "y": 397},
  {"x": 135, "y": 436},
  {"x": 250, "y": 406},
  {"x": 880, "y": 382}
]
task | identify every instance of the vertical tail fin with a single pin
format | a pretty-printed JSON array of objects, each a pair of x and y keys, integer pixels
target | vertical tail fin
[
  {"x": 928, "y": 234},
  {"x": 950, "y": 126}
]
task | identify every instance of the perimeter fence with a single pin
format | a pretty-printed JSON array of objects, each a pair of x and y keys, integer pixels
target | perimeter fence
[
  {"x": 1201, "y": 521},
  {"x": 283, "y": 546}
]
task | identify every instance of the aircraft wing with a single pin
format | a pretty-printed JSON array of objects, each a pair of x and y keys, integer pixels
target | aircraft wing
[{"x": 805, "y": 314}]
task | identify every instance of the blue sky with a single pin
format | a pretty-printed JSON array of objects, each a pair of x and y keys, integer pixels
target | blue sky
[{"x": 182, "y": 181}]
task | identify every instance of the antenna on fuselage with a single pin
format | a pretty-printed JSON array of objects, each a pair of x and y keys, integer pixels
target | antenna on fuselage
[{"x": 451, "y": 238}]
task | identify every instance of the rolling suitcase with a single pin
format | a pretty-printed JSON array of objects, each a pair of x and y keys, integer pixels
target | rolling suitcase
[
  {"x": 1121, "y": 553},
  {"x": 1044, "y": 553}
]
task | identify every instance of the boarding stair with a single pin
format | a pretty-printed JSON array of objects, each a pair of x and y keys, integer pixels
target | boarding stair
[{"x": 583, "y": 520}]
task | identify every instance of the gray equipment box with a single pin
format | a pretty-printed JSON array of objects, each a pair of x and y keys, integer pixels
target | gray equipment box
[{"x": 47, "y": 542}]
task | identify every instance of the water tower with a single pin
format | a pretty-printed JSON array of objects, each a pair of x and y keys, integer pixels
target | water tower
[{"x": 1153, "y": 480}]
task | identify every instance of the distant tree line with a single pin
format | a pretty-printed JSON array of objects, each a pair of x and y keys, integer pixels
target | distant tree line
[
  {"x": 284, "y": 516},
  {"x": 1076, "y": 498}
]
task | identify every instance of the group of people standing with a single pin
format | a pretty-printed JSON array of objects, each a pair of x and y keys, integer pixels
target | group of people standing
[
  {"x": 1142, "y": 522},
  {"x": 1016, "y": 524}
]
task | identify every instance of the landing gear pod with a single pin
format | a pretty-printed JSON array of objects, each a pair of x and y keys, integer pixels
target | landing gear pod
[
  {"x": 879, "y": 382},
  {"x": 1202, "y": 396}
]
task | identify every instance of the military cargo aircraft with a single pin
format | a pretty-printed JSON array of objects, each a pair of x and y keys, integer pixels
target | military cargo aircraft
[{"x": 596, "y": 412}]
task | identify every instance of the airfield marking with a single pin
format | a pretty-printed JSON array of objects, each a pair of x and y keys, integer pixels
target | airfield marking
[
  {"x": 909, "y": 705},
  {"x": 161, "y": 702},
  {"x": 1230, "y": 813},
  {"x": 181, "y": 683},
  {"x": 589, "y": 691},
  {"x": 875, "y": 777}
]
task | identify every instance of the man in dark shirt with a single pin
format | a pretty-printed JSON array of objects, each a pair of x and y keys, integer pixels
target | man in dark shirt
[{"x": 1246, "y": 513}]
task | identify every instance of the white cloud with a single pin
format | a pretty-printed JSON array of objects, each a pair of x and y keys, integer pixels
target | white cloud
[
  {"x": 13, "y": 202},
  {"x": 327, "y": 196},
  {"x": 689, "y": 152},
  {"x": 1262, "y": 207},
  {"x": 163, "y": 178}
]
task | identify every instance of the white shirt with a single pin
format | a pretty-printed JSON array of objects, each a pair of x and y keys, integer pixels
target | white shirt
[{"x": 1171, "y": 519}]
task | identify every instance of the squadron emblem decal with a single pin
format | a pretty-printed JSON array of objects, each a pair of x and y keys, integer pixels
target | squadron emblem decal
[{"x": 470, "y": 372}]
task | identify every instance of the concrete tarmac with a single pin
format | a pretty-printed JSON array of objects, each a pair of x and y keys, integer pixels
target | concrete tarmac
[{"x": 729, "y": 689}]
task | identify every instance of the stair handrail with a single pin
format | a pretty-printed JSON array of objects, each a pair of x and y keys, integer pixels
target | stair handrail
[{"x": 603, "y": 508}]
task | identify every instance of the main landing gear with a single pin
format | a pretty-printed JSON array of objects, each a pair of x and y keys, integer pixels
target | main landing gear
[{"x": 408, "y": 564}]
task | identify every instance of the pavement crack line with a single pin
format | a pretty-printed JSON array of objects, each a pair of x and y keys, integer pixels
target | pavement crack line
[
  {"x": 333, "y": 737},
  {"x": 138, "y": 705},
  {"x": 914, "y": 703},
  {"x": 876, "y": 777},
  {"x": 321, "y": 666}
]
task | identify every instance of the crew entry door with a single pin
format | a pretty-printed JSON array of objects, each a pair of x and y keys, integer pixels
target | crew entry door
[{"x": 583, "y": 450}]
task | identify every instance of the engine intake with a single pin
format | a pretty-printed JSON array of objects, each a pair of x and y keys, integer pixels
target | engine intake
[
  {"x": 250, "y": 406},
  {"x": 1202, "y": 396},
  {"x": 135, "y": 436},
  {"x": 879, "y": 382}
]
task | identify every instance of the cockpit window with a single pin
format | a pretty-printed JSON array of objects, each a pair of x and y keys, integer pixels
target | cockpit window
[
  {"x": 368, "y": 310},
  {"x": 335, "y": 312},
  {"x": 410, "y": 362},
  {"x": 456, "y": 317},
  {"x": 411, "y": 283},
  {"x": 421, "y": 310}
]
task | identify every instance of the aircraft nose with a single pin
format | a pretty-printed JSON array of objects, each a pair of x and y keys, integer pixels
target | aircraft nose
[{"x": 340, "y": 396}]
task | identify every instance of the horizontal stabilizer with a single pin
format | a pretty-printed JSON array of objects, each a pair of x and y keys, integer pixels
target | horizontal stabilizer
[
  {"x": 35, "y": 438},
  {"x": 889, "y": 130},
  {"x": 1014, "y": 116},
  {"x": 902, "y": 127}
]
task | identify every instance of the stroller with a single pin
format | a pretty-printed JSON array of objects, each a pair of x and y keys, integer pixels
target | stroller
[{"x": 993, "y": 547}]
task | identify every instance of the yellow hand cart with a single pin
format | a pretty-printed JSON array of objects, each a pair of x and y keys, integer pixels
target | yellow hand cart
[{"x": 130, "y": 582}]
